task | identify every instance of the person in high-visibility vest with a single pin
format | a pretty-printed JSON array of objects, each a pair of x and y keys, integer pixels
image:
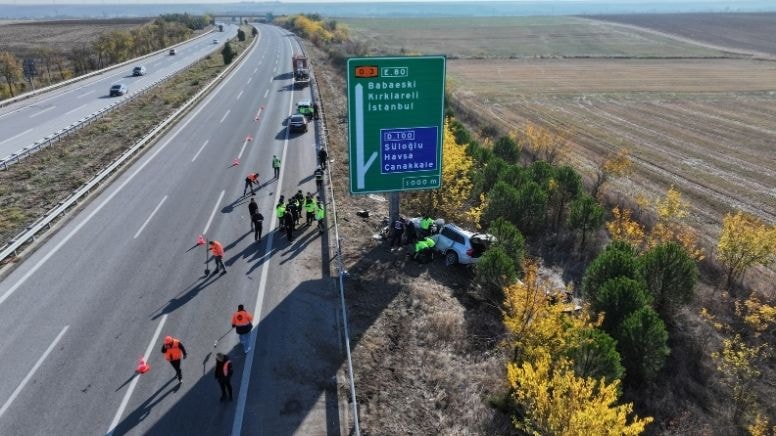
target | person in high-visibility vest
[
  {"x": 425, "y": 225},
  {"x": 223, "y": 373},
  {"x": 250, "y": 180},
  {"x": 309, "y": 208},
  {"x": 218, "y": 254},
  {"x": 320, "y": 214},
  {"x": 276, "y": 165},
  {"x": 173, "y": 351},
  {"x": 242, "y": 323},
  {"x": 280, "y": 211}
]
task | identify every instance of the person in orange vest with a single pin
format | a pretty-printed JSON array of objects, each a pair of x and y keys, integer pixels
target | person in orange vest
[
  {"x": 173, "y": 351},
  {"x": 250, "y": 180},
  {"x": 223, "y": 374},
  {"x": 242, "y": 323},
  {"x": 218, "y": 254}
]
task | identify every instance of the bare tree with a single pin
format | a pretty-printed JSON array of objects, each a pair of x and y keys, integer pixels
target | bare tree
[{"x": 10, "y": 69}]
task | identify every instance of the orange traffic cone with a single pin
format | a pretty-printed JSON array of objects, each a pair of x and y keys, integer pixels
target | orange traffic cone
[
  {"x": 200, "y": 239},
  {"x": 235, "y": 162},
  {"x": 249, "y": 138},
  {"x": 142, "y": 366}
]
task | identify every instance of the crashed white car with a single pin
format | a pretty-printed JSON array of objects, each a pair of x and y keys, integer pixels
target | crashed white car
[{"x": 458, "y": 246}]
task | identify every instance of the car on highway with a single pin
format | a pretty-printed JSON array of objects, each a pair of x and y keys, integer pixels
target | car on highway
[
  {"x": 118, "y": 89},
  {"x": 215, "y": 41},
  {"x": 297, "y": 123},
  {"x": 458, "y": 246},
  {"x": 172, "y": 52},
  {"x": 305, "y": 107},
  {"x": 139, "y": 71}
]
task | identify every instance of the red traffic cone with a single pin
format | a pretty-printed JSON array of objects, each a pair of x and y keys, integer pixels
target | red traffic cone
[
  {"x": 200, "y": 239},
  {"x": 235, "y": 162},
  {"x": 248, "y": 138},
  {"x": 142, "y": 366}
]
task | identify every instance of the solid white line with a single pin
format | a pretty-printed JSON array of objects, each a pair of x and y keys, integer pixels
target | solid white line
[
  {"x": 249, "y": 80},
  {"x": 73, "y": 110},
  {"x": 149, "y": 218},
  {"x": 64, "y": 241},
  {"x": 16, "y": 136},
  {"x": 274, "y": 70},
  {"x": 87, "y": 93},
  {"x": 213, "y": 214},
  {"x": 32, "y": 371},
  {"x": 255, "y": 69},
  {"x": 43, "y": 111},
  {"x": 200, "y": 150},
  {"x": 128, "y": 393},
  {"x": 239, "y": 156},
  {"x": 246, "y": 375},
  {"x": 225, "y": 115},
  {"x": 266, "y": 92},
  {"x": 239, "y": 95}
]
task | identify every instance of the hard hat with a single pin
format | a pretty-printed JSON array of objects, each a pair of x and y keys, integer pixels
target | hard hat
[{"x": 168, "y": 339}]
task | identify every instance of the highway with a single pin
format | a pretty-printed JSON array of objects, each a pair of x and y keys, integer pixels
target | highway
[
  {"x": 30, "y": 120},
  {"x": 125, "y": 272}
]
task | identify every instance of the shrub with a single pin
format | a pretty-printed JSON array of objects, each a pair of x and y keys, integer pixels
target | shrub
[
  {"x": 494, "y": 271},
  {"x": 228, "y": 53},
  {"x": 240, "y": 35},
  {"x": 506, "y": 148},
  {"x": 670, "y": 275}
]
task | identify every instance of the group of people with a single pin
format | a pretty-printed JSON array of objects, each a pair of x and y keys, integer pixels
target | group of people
[
  {"x": 290, "y": 211},
  {"x": 174, "y": 351},
  {"x": 420, "y": 235}
]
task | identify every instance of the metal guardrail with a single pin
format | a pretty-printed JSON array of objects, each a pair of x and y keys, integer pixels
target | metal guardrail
[
  {"x": 341, "y": 271},
  {"x": 56, "y": 136},
  {"x": 27, "y": 95},
  {"x": 45, "y": 222}
]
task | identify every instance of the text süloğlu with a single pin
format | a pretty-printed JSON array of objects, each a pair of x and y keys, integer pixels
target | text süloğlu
[{"x": 390, "y": 97}]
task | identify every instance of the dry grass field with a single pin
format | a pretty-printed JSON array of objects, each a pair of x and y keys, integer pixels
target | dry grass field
[{"x": 22, "y": 38}]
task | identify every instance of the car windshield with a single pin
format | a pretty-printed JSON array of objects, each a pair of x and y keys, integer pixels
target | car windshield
[
  {"x": 297, "y": 119},
  {"x": 116, "y": 87}
]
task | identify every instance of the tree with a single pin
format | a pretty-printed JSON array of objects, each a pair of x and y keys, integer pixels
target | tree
[
  {"x": 670, "y": 275},
  {"x": 617, "y": 298},
  {"x": 240, "y": 35},
  {"x": 555, "y": 401},
  {"x": 736, "y": 363},
  {"x": 642, "y": 342},
  {"x": 566, "y": 186},
  {"x": 254, "y": 32},
  {"x": 542, "y": 144},
  {"x": 618, "y": 164},
  {"x": 624, "y": 228},
  {"x": 506, "y": 148},
  {"x": 10, "y": 69},
  {"x": 530, "y": 208},
  {"x": 227, "y": 53},
  {"x": 617, "y": 260},
  {"x": 494, "y": 271},
  {"x": 593, "y": 354},
  {"x": 510, "y": 239},
  {"x": 745, "y": 241},
  {"x": 671, "y": 212},
  {"x": 585, "y": 215},
  {"x": 501, "y": 204}
]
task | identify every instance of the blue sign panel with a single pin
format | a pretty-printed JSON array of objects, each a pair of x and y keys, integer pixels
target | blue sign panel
[{"x": 409, "y": 149}]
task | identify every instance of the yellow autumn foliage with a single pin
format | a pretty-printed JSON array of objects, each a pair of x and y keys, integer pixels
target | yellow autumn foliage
[
  {"x": 670, "y": 227},
  {"x": 623, "y": 227},
  {"x": 745, "y": 241}
]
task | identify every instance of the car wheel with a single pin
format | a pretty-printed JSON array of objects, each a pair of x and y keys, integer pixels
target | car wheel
[{"x": 451, "y": 258}]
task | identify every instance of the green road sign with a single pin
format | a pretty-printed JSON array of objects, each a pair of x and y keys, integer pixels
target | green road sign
[{"x": 395, "y": 114}]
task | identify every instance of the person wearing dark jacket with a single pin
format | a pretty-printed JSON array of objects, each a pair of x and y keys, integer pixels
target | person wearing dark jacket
[
  {"x": 323, "y": 158},
  {"x": 258, "y": 221},
  {"x": 253, "y": 209},
  {"x": 223, "y": 373},
  {"x": 288, "y": 223}
]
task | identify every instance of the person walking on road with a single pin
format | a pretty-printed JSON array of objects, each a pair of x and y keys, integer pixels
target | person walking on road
[
  {"x": 218, "y": 254},
  {"x": 250, "y": 180},
  {"x": 258, "y": 223},
  {"x": 173, "y": 351},
  {"x": 223, "y": 374},
  {"x": 323, "y": 157},
  {"x": 318, "y": 178},
  {"x": 276, "y": 165},
  {"x": 242, "y": 323}
]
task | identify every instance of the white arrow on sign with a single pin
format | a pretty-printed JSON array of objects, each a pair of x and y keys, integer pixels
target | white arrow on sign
[{"x": 361, "y": 167}]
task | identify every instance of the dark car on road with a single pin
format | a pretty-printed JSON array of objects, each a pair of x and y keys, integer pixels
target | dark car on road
[
  {"x": 118, "y": 90},
  {"x": 297, "y": 123}
]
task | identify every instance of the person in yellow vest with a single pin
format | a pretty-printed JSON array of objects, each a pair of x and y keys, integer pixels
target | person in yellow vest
[
  {"x": 173, "y": 351},
  {"x": 309, "y": 208},
  {"x": 280, "y": 211},
  {"x": 242, "y": 323},
  {"x": 425, "y": 225},
  {"x": 223, "y": 373},
  {"x": 320, "y": 215}
]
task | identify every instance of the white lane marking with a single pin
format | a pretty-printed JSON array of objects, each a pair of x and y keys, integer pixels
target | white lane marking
[
  {"x": 73, "y": 110},
  {"x": 225, "y": 115},
  {"x": 32, "y": 371},
  {"x": 246, "y": 375},
  {"x": 249, "y": 80},
  {"x": 274, "y": 70},
  {"x": 61, "y": 243},
  {"x": 266, "y": 92},
  {"x": 213, "y": 214},
  {"x": 255, "y": 69},
  {"x": 43, "y": 111},
  {"x": 149, "y": 217},
  {"x": 128, "y": 393},
  {"x": 16, "y": 136},
  {"x": 240, "y": 94},
  {"x": 200, "y": 150},
  {"x": 239, "y": 156},
  {"x": 87, "y": 93}
]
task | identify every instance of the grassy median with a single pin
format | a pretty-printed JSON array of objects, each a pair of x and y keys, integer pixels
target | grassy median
[{"x": 34, "y": 186}]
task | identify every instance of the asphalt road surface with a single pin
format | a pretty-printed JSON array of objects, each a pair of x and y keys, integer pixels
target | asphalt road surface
[
  {"x": 27, "y": 121},
  {"x": 125, "y": 272}
]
